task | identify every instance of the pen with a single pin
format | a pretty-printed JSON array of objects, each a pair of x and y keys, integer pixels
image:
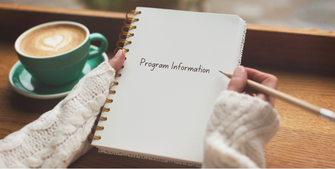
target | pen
[{"x": 289, "y": 99}]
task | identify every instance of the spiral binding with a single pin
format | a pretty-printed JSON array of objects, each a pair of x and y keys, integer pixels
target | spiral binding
[
  {"x": 119, "y": 45},
  {"x": 124, "y": 31}
]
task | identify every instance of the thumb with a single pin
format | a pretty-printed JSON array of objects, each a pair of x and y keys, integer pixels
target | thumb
[
  {"x": 239, "y": 80},
  {"x": 117, "y": 61}
]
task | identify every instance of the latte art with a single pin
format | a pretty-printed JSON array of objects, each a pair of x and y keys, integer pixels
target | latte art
[
  {"x": 56, "y": 42},
  {"x": 52, "y": 40}
]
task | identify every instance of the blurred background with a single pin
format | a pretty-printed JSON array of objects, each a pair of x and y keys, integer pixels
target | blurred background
[{"x": 317, "y": 14}]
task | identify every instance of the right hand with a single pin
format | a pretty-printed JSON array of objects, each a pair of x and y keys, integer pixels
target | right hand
[{"x": 238, "y": 82}]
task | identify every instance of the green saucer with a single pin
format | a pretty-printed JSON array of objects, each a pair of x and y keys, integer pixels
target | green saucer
[{"x": 23, "y": 83}]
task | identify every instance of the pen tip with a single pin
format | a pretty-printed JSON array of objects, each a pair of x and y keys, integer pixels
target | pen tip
[{"x": 226, "y": 74}]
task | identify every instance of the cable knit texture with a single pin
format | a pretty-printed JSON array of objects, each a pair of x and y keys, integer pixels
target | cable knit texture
[
  {"x": 238, "y": 130},
  {"x": 59, "y": 136}
]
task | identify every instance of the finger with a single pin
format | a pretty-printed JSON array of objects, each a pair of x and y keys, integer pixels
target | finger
[
  {"x": 117, "y": 61},
  {"x": 239, "y": 80},
  {"x": 264, "y": 79}
]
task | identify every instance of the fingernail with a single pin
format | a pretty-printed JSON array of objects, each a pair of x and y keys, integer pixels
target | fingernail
[
  {"x": 239, "y": 71},
  {"x": 118, "y": 53}
]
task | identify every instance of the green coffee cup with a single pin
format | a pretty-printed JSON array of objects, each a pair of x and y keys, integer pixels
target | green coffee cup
[{"x": 55, "y": 53}]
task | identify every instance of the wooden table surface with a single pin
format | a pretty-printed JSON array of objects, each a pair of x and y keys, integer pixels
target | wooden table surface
[{"x": 302, "y": 59}]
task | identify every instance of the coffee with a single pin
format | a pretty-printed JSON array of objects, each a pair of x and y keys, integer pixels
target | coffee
[{"x": 52, "y": 40}]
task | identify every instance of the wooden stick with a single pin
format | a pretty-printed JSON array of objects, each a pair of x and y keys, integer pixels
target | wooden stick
[{"x": 289, "y": 99}]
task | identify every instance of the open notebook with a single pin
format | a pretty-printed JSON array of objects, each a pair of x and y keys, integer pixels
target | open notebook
[{"x": 165, "y": 95}]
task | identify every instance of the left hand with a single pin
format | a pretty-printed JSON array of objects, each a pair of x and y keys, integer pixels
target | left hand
[{"x": 117, "y": 61}]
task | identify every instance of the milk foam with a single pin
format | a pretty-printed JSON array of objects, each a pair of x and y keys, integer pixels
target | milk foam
[
  {"x": 52, "y": 40},
  {"x": 52, "y": 43}
]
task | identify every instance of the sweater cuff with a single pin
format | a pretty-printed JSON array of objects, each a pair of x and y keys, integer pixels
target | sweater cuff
[{"x": 242, "y": 123}]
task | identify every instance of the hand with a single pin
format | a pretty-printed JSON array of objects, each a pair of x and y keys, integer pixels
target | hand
[
  {"x": 238, "y": 82},
  {"x": 117, "y": 61}
]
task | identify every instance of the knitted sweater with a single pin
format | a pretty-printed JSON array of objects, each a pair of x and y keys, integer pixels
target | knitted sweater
[{"x": 237, "y": 132}]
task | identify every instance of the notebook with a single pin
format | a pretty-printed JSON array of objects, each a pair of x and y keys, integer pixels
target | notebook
[{"x": 160, "y": 105}]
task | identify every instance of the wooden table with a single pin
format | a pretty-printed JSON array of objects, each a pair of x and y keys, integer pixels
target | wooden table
[{"x": 302, "y": 59}]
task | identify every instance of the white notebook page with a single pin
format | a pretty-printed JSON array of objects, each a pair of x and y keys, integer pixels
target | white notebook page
[{"x": 160, "y": 109}]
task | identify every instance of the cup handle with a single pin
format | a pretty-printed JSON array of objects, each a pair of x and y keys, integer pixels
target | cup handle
[{"x": 103, "y": 47}]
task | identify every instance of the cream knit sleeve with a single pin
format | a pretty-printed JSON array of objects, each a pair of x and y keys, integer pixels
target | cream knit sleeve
[
  {"x": 59, "y": 136},
  {"x": 238, "y": 130}
]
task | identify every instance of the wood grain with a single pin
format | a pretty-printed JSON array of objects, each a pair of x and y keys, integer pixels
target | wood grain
[
  {"x": 304, "y": 139},
  {"x": 302, "y": 31},
  {"x": 82, "y": 12},
  {"x": 302, "y": 59}
]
